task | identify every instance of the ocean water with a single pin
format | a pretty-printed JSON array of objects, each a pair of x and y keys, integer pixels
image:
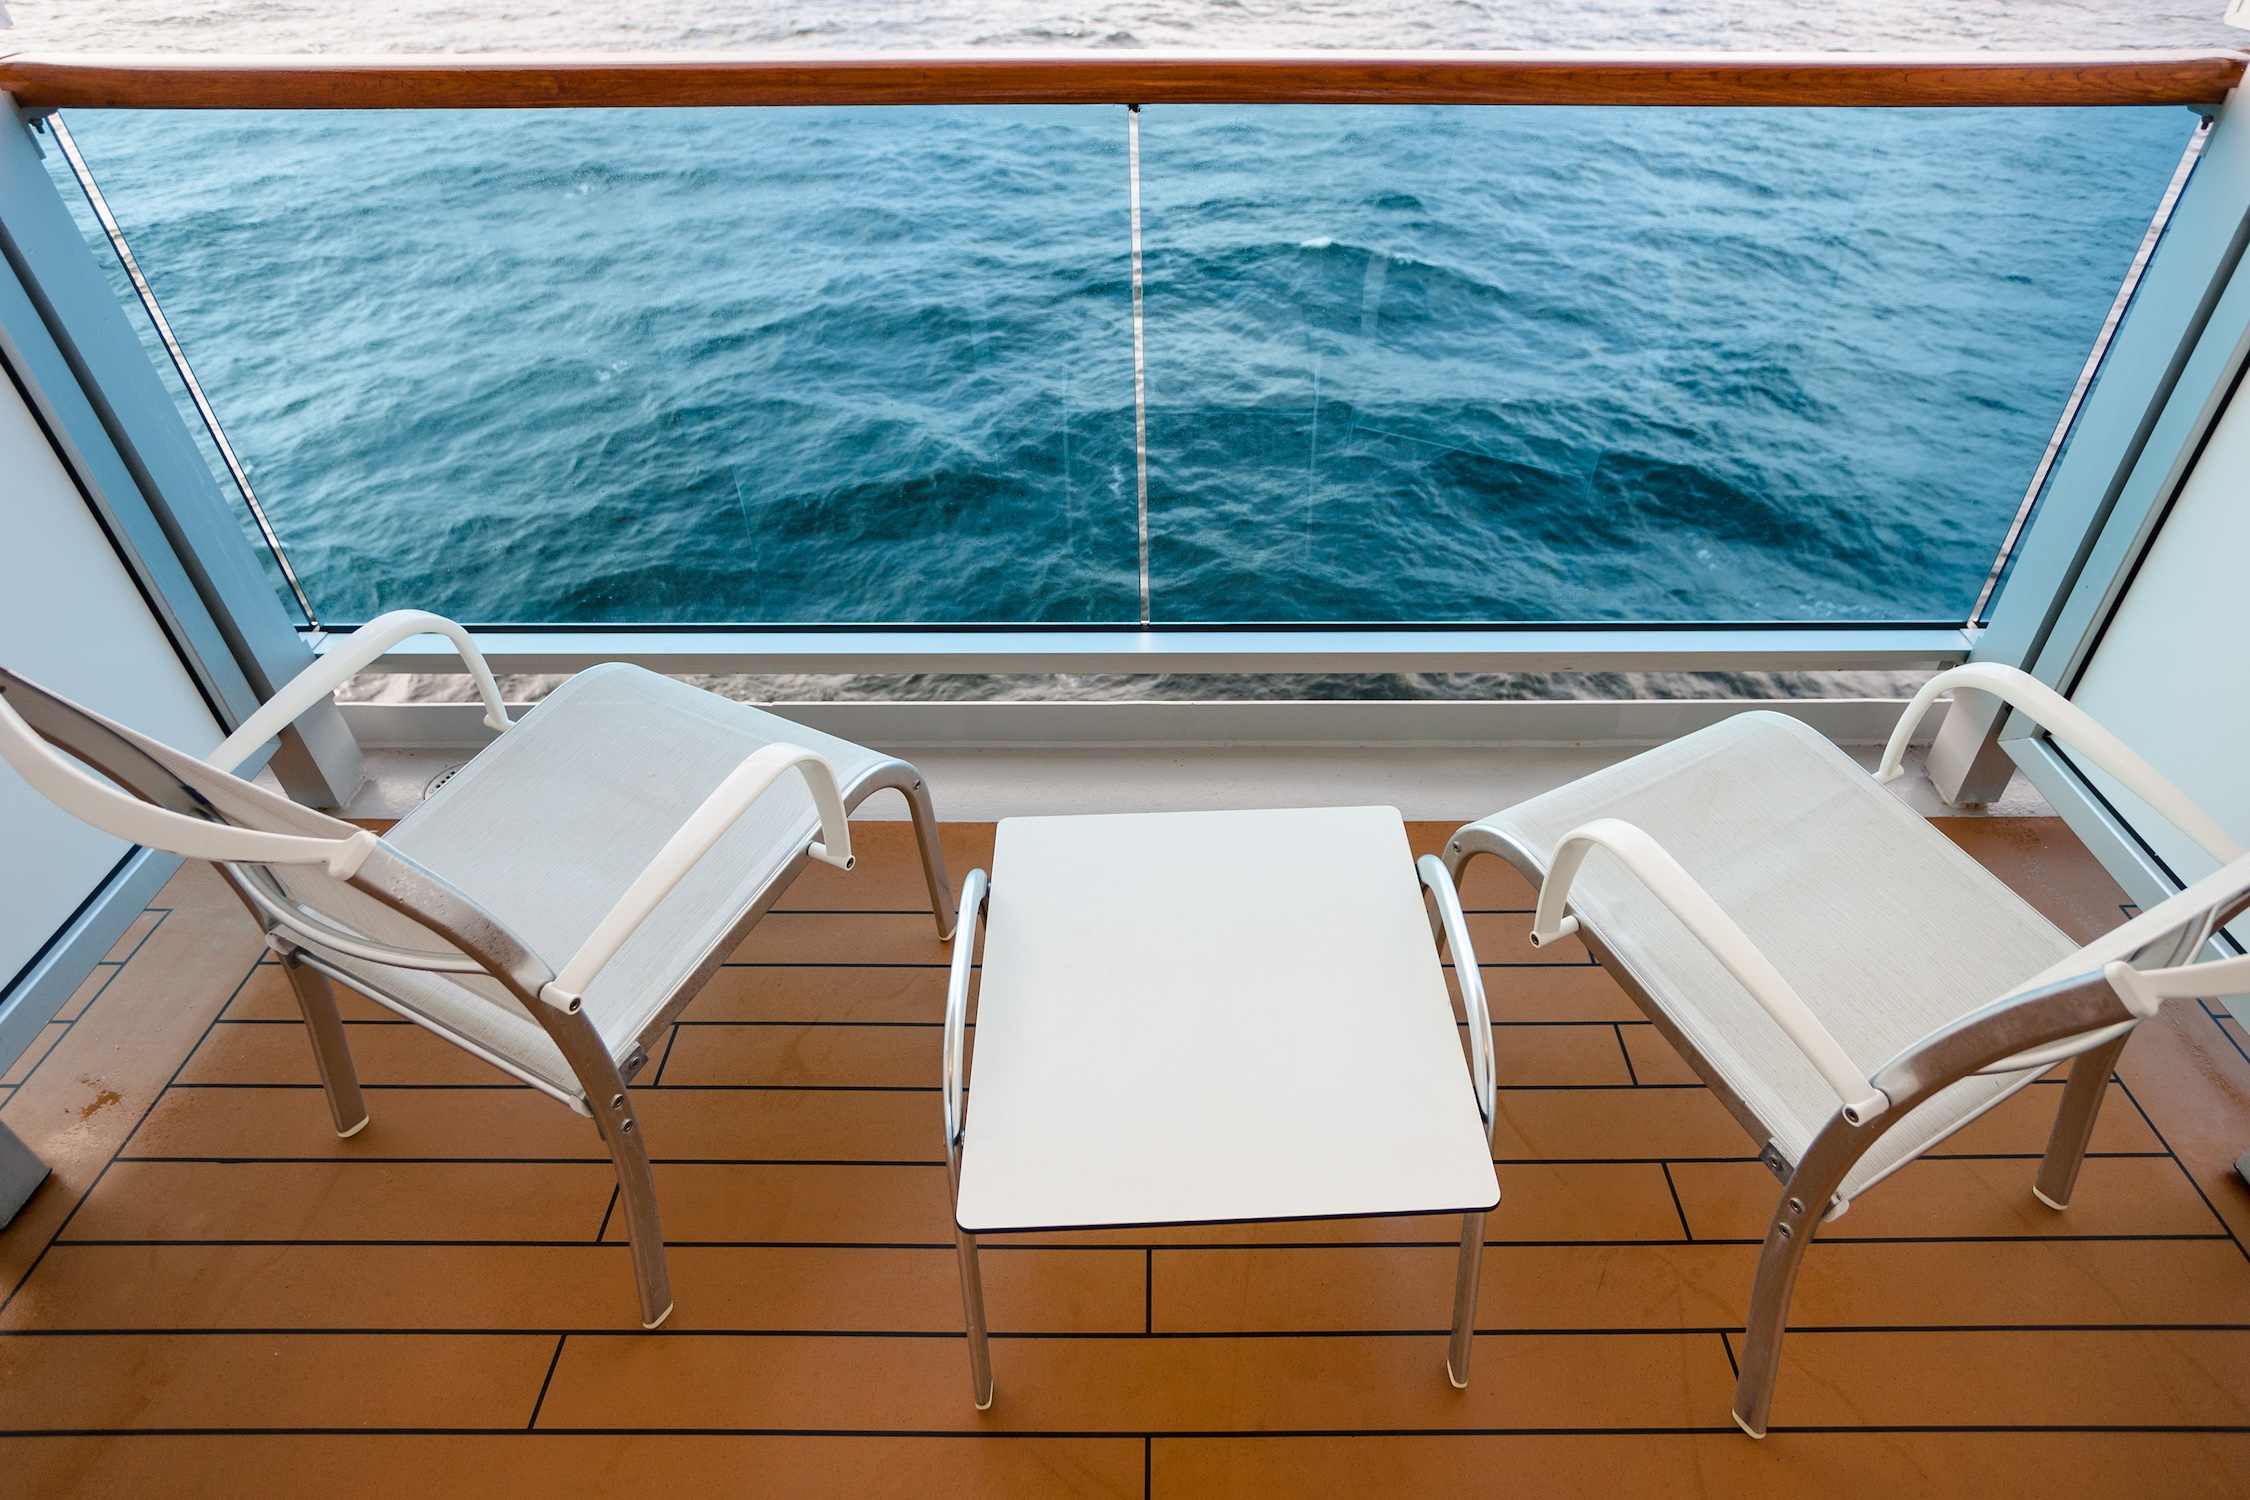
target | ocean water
[{"x": 1402, "y": 364}]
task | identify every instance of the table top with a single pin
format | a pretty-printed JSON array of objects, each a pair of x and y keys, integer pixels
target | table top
[{"x": 1212, "y": 1017}]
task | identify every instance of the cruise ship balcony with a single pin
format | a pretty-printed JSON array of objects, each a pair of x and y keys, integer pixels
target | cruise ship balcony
[
  {"x": 2026, "y": 455},
  {"x": 215, "y": 1295}
]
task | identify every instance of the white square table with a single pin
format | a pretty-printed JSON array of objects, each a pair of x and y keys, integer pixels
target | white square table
[{"x": 1192, "y": 1018}]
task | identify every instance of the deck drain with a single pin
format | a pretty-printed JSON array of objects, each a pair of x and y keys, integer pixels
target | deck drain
[{"x": 441, "y": 779}]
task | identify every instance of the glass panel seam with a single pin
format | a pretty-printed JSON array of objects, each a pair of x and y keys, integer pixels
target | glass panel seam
[{"x": 147, "y": 294}]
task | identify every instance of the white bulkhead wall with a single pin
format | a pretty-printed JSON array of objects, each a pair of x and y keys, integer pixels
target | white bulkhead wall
[
  {"x": 2171, "y": 675},
  {"x": 72, "y": 620}
]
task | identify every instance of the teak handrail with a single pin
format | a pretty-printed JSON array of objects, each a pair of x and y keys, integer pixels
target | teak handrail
[{"x": 497, "y": 81}]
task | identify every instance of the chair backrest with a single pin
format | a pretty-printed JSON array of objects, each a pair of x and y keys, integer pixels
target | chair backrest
[{"x": 326, "y": 882}]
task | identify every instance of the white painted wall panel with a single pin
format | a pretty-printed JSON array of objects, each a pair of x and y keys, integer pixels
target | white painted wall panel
[
  {"x": 2171, "y": 676},
  {"x": 72, "y": 620}
]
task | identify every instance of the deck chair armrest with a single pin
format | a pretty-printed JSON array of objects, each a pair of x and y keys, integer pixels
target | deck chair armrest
[
  {"x": 733, "y": 797},
  {"x": 973, "y": 891},
  {"x": 1655, "y": 868},
  {"x": 1474, "y": 1009},
  {"x": 2076, "y": 728},
  {"x": 345, "y": 661},
  {"x": 122, "y": 815},
  {"x": 2143, "y": 990}
]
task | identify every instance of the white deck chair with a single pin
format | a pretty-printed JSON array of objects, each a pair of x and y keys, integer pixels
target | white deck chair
[
  {"x": 551, "y": 908},
  {"x": 1851, "y": 985}
]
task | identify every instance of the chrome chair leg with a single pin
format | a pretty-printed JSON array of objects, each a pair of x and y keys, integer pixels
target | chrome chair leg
[
  {"x": 933, "y": 857},
  {"x": 614, "y": 1116},
  {"x": 1805, "y": 1200},
  {"x": 332, "y": 1054},
  {"x": 2074, "y": 1123},
  {"x": 1465, "y": 1276},
  {"x": 636, "y": 1194},
  {"x": 972, "y": 1304}
]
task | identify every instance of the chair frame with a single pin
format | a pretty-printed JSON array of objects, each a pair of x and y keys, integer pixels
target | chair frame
[
  {"x": 398, "y": 882},
  {"x": 2085, "y": 1019}
]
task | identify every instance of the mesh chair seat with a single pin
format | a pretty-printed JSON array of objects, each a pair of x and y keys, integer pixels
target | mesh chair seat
[
  {"x": 551, "y": 908},
  {"x": 547, "y": 827},
  {"x": 1885, "y": 928}
]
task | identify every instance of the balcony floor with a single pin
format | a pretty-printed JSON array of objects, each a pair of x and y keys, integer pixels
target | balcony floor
[{"x": 214, "y": 1295}]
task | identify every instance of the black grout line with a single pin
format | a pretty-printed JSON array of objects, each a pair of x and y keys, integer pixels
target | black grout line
[
  {"x": 1148, "y": 1468},
  {"x": 671, "y": 1039},
  {"x": 560, "y": 1340},
  {"x": 2208, "y": 1206},
  {"x": 613, "y": 1192},
  {"x": 922, "y": 1161},
  {"x": 1673, "y": 1188},
  {"x": 956, "y": 1434},
  {"x": 2219, "y": 1018},
  {"x": 115, "y": 967},
  {"x": 1054, "y": 1336},
  {"x": 940, "y": 966},
  {"x": 1625, "y": 1052},
  {"x": 1726, "y": 1342},
  {"x": 1039, "y": 1240}
]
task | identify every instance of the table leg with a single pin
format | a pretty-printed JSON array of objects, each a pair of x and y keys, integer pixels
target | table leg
[
  {"x": 972, "y": 1306},
  {"x": 1465, "y": 1300}
]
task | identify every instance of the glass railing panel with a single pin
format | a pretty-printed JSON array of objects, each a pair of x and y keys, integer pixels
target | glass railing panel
[
  {"x": 129, "y": 298},
  {"x": 708, "y": 366},
  {"x": 1457, "y": 364}
]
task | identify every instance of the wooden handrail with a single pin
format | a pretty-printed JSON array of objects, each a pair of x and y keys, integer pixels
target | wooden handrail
[{"x": 494, "y": 81}]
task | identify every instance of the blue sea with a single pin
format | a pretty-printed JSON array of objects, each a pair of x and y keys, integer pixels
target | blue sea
[{"x": 1401, "y": 364}]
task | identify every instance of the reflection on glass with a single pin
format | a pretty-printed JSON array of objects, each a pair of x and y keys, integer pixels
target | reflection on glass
[
  {"x": 1665, "y": 365},
  {"x": 679, "y": 366}
]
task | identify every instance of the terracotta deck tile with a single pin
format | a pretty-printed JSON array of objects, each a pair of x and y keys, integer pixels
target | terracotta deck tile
[
  {"x": 510, "y": 1124},
  {"x": 1786, "y": 1466},
  {"x": 2020, "y": 1126},
  {"x": 346, "y": 1200},
  {"x": 2195, "y": 1088},
  {"x": 1553, "y": 992},
  {"x": 792, "y": 937},
  {"x": 173, "y": 1380},
  {"x": 809, "y": 1202},
  {"x": 888, "y": 875},
  {"x": 2028, "y": 1378},
  {"x": 266, "y": 996},
  {"x": 1136, "y": 1385},
  {"x": 1410, "y": 1289},
  {"x": 2041, "y": 861},
  {"x": 1614, "y": 1124},
  {"x": 551, "y": 1466},
  {"x": 800, "y": 1056},
  {"x": 382, "y": 1055},
  {"x": 832, "y": 992},
  {"x": 1654, "y": 1060},
  {"x": 34, "y": 1053},
  {"x": 1505, "y": 938},
  {"x": 137, "y": 931},
  {"x": 1844, "y": 1284},
  {"x": 552, "y": 1287},
  {"x": 2117, "y": 1195},
  {"x": 83, "y": 996},
  {"x": 250, "y": 1124},
  {"x": 1849, "y": 1283}
]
